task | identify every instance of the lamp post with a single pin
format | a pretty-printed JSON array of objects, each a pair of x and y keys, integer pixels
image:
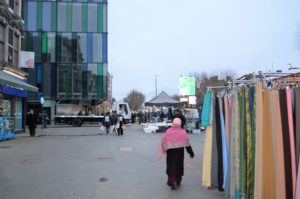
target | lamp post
[{"x": 156, "y": 84}]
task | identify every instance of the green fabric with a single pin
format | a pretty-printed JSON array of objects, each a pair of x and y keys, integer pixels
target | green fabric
[
  {"x": 14, "y": 82},
  {"x": 206, "y": 109},
  {"x": 243, "y": 148}
]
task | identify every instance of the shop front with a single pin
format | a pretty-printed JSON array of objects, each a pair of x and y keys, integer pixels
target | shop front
[{"x": 13, "y": 95}]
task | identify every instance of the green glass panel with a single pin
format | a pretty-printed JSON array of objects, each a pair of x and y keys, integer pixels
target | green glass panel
[
  {"x": 39, "y": 16},
  {"x": 29, "y": 41},
  {"x": 69, "y": 17},
  {"x": 58, "y": 47},
  {"x": 25, "y": 13},
  {"x": 100, "y": 81},
  {"x": 69, "y": 81},
  {"x": 100, "y": 17},
  {"x": 53, "y": 16},
  {"x": 84, "y": 17},
  {"x": 44, "y": 42}
]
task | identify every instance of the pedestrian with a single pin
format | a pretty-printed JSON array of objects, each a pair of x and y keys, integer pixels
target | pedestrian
[
  {"x": 173, "y": 143},
  {"x": 107, "y": 122},
  {"x": 170, "y": 114},
  {"x": 162, "y": 116},
  {"x": 155, "y": 117},
  {"x": 120, "y": 123},
  {"x": 31, "y": 122},
  {"x": 114, "y": 121},
  {"x": 178, "y": 114}
]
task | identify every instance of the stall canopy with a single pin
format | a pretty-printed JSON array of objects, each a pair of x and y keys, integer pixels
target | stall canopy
[
  {"x": 14, "y": 82},
  {"x": 163, "y": 99}
]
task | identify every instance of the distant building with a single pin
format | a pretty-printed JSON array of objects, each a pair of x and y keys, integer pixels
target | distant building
[
  {"x": 13, "y": 86},
  {"x": 69, "y": 39}
]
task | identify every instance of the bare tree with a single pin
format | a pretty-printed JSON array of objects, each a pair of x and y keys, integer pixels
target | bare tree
[
  {"x": 203, "y": 80},
  {"x": 135, "y": 99},
  {"x": 176, "y": 97}
]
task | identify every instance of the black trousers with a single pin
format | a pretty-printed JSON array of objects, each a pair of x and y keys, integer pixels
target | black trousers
[
  {"x": 32, "y": 131},
  {"x": 120, "y": 131}
]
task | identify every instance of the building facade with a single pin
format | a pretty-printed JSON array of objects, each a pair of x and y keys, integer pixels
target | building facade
[
  {"x": 13, "y": 86},
  {"x": 69, "y": 39}
]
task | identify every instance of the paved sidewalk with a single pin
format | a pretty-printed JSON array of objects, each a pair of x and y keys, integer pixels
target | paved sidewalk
[{"x": 84, "y": 163}]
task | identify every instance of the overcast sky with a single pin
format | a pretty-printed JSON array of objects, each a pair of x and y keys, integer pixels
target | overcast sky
[{"x": 175, "y": 37}]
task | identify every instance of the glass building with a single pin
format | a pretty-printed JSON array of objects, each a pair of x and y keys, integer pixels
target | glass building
[{"x": 69, "y": 39}]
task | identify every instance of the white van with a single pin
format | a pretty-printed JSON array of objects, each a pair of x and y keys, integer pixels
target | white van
[{"x": 123, "y": 109}]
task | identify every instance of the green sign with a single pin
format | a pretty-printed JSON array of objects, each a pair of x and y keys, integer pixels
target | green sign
[{"x": 187, "y": 86}]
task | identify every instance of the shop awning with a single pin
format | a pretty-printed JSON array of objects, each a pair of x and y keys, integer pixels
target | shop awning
[{"x": 14, "y": 82}]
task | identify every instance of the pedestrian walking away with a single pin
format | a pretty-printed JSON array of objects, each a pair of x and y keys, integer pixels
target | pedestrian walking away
[
  {"x": 120, "y": 123},
  {"x": 173, "y": 143},
  {"x": 31, "y": 122},
  {"x": 107, "y": 122}
]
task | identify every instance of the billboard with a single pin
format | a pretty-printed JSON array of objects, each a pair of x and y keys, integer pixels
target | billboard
[
  {"x": 187, "y": 86},
  {"x": 26, "y": 59}
]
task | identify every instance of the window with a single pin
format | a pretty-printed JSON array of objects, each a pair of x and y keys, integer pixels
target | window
[
  {"x": 51, "y": 47},
  {"x": 62, "y": 78},
  {"x": 77, "y": 17},
  {"x": 104, "y": 18},
  {"x": 37, "y": 46},
  {"x": 77, "y": 79},
  {"x": 92, "y": 79},
  {"x": 12, "y": 4},
  {"x": 46, "y": 16},
  {"x": 82, "y": 48},
  {"x": 2, "y": 29},
  {"x": 67, "y": 47},
  {"x": 16, "y": 50},
  {"x": 31, "y": 20},
  {"x": 97, "y": 48},
  {"x": 47, "y": 79},
  {"x": 62, "y": 16},
  {"x": 92, "y": 17}
]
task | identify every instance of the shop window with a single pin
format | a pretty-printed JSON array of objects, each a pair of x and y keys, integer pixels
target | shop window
[
  {"x": 77, "y": 79},
  {"x": 2, "y": 28},
  {"x": 92, "y": 79}
]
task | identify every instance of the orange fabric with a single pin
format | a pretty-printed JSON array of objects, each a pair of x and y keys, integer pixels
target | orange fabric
[
  {"x": 278, "y": 145},
  {"x": 268, "y": 170}
]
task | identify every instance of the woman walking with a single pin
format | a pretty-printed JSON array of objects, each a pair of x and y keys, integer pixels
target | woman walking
[{"x": 173, "y": 143}]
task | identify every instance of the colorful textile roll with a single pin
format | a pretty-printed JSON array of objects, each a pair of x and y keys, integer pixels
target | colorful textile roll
[
  {"x": 292, "y": 140},
  {"x": 277, "y": 144},
  {"x": 224, "y": 143},
  {"x": 206, "y": 109},
  {"x": 219, "y": 147},
  {"x": 286, "y": 144},
  {"x": 243, "y": 143},
  {"x": 297, "y": 124},
  {"x": 268, "y": 173}
]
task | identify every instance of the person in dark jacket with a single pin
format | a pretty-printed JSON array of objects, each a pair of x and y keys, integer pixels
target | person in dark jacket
[
  {"x": 107, "y": 122},
  {"x": 178, "y": 114},
  {"x": 173, "y": 143},
  {"x": 120, "y": 123},
  {"x": 31, "y": 123}
]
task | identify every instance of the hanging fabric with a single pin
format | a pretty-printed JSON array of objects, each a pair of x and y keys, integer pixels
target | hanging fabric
[
  {"x": 297, "y": 124},
  {"x": 258, "y": 141},
  {"x": 268, "y": 171},
  {"x": 286, "y": 144},
  {"x": 292, "y": 140},
  {"x": 205, "y": 115}
]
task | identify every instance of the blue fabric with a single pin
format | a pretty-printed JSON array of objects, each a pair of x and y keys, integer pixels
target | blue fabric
[
  {"x": 104, "y": 47},
  {"x": 224, "y": 144},
  {"x": 206, "y": 109}
]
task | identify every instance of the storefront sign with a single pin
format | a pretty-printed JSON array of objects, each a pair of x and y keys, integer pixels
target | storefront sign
[
  {"x": 26, "y": 59},
  {"x": 187, "y": 86}
]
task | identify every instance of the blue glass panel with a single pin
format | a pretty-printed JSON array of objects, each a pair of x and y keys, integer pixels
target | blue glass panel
[
  {"x": 38, "y": 74},
  {"x": 46, "y": 16},
  {"x": 53, "y": 75},
  {"x": 31, "y": 23},
  {"x": 62, "y": 17},
  {"x": 90, "y": 47},
  {"x": 97, "y": 48},
  {"x": 92, "y": 17},
  {"x": 84, "y": 80},
  {"x": 104, "y": 49}
]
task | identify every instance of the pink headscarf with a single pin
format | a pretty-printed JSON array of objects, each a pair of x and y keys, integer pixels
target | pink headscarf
[{"x": 175, "y": 137}]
